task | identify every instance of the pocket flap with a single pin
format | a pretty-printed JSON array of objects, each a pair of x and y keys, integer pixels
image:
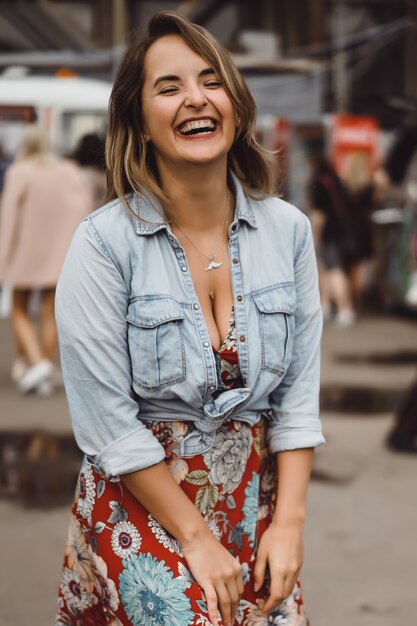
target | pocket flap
[
  {"x": 151, "y": 313},
  {"x": 276, "y": 299}
]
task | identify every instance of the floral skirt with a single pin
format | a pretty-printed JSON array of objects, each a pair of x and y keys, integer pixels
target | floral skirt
[{"x": 122, "y": 567}]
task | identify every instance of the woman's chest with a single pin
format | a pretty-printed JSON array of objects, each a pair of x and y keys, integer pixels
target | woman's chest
[{"x": 169, "y": 334}]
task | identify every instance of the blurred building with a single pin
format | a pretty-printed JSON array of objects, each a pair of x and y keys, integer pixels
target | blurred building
[{"x": 366, "y": 49}]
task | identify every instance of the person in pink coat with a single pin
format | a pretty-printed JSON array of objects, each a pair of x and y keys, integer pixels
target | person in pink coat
[{"x": 43, "y": 200}]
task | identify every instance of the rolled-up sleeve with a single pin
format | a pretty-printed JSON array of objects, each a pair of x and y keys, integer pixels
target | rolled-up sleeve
[
  {"x": 295, "y": 419},
  {"x": 91, "y": 305}
]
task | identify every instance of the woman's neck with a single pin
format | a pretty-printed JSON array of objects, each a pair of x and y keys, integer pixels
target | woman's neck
[{"x": 198, "y": 196}]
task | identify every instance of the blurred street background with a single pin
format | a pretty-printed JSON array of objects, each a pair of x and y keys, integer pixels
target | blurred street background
[{"x": 335, "y": 83}]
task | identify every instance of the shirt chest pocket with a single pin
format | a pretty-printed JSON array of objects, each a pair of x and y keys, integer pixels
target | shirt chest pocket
[
  {"x": 156, "y": 343},
  {"x": 275, "y": 307}
]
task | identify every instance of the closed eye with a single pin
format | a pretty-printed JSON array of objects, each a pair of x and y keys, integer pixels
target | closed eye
[
  {"x": 168, "y": 90},
  {"x": 213, "y": 83}
]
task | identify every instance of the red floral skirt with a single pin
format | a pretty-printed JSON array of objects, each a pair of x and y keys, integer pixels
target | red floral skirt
[{"x": 122, "y": 567}]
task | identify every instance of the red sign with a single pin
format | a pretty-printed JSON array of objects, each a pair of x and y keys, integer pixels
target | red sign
[{"x": 350, "y": 134}]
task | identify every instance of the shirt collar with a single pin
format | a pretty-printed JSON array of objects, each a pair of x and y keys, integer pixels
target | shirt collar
[{"x": 151, "y": 217}]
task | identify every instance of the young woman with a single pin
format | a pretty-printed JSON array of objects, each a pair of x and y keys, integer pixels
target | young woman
[
  {"x": 189, "y": 322},
  {"x": 43, "y": 201}
]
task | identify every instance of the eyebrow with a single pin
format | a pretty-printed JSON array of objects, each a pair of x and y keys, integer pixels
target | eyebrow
[{"x": 208, "y": 71}]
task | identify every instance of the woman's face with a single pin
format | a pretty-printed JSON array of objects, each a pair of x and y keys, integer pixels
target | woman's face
[{"x": 188, "y": 115}]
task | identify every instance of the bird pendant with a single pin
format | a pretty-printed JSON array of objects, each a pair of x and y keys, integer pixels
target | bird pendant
[{"x": 213, "y": 265}]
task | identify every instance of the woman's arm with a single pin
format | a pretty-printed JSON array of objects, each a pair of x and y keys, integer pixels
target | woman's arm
[
  {"x": 281, "y": 546},
  {"x": 216, "y": 571},
  {"x": 294, "y": 431}
]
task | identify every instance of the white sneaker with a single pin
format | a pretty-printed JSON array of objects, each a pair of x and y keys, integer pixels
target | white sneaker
[
  {"x": 19, "y": 369},
  {"x": 35, "y": 375}
]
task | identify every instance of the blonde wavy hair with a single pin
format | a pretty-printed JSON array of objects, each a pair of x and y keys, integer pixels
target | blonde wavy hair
[{"x": 130, "y": 162}]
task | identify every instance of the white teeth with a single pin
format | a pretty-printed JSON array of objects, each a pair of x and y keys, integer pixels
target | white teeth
[{"x": 196, "y": 124}]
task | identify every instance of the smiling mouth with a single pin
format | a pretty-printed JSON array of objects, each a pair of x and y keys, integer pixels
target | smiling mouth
[{"x": 197, "y": 127}]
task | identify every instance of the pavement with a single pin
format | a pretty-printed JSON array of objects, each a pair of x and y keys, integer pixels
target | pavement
[{"x": 360, "y": 542}]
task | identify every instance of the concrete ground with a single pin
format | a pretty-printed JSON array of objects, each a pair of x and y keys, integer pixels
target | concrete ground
[{"x": 361, "y": 547}]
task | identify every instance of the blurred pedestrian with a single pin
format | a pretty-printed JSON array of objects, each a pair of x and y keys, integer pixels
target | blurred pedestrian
[
  {"x": 89, "y": 154},
  {"x": 192, "y": 374},
  {"x": 334, "y": 239},
  {"x": 359, "y": 183},
  {"x": 44, "y": 198}
]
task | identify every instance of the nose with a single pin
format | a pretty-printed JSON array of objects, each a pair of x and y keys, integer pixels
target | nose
[{"x": 195, "y": 97}]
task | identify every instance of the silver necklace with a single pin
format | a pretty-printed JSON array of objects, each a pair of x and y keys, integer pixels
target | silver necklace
[{"x": 213, "y": 264}]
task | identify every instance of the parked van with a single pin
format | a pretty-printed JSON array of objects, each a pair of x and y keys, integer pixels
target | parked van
[{"x": 67, "y": 107}]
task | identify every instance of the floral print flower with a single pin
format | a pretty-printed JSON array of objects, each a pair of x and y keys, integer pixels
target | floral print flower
[
  {"x": 78, "y": 553},
  {"x": 228, "y": 455},
  {"x": 125, "y": 539},
  {"x": 76, "y": 595},
  {"x": 212, "y": 523},
  {"x": 178, "y": 467},
  {"x": 285, "y": 614},
  {"x": 245, "y": 573},
  {"x": 106, "y": 588},
  {"x": 151, "y": 595},
  {"x": 168, "y": 541},
  {"x": 87, "y": 492},
  {"x": 250, "y": 508}
]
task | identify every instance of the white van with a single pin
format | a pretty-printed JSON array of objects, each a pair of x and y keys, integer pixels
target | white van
[{"x": 67, "y": 107}]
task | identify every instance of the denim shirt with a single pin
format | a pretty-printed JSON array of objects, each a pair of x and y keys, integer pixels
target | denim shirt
[{"x": 135, "y": 347}]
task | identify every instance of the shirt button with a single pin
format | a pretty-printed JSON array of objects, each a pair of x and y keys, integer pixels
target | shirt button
[
  {"x": 212, "y": 387},
  {"x": 239, "y": 298},
  {"x": 235, "y": 261},
  {"x": 242, "y": 338},
  {"x": 196, "y": 306},
  {"x": 206, "y": 344},
  {"x": 184, "y": 268}
]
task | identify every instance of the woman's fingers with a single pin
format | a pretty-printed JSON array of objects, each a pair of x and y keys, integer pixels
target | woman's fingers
[
  {"x": 234, "y": 595},
  {"x": 281, "y": 587},
  {"x": 276, "y": 594},
  {"x": 229, "y": 593},
  {"x": 239, "y": 584},
  {"x": 211, "y": 599},
  {"x": 225, "y": 604},
  {"x": 219, "y": 574},
  {"x": 259, "y": 570}
]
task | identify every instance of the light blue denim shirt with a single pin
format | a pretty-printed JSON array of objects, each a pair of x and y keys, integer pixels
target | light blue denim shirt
[{"x": 135, "y": 347}]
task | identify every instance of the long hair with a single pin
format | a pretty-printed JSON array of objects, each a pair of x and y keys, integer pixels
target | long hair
[{"x": 130, "y": 162}]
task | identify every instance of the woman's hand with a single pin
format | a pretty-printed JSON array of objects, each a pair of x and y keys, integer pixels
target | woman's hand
[
  {"x": 218, "y": 573},
  {"x": 281, "y": 547}
]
